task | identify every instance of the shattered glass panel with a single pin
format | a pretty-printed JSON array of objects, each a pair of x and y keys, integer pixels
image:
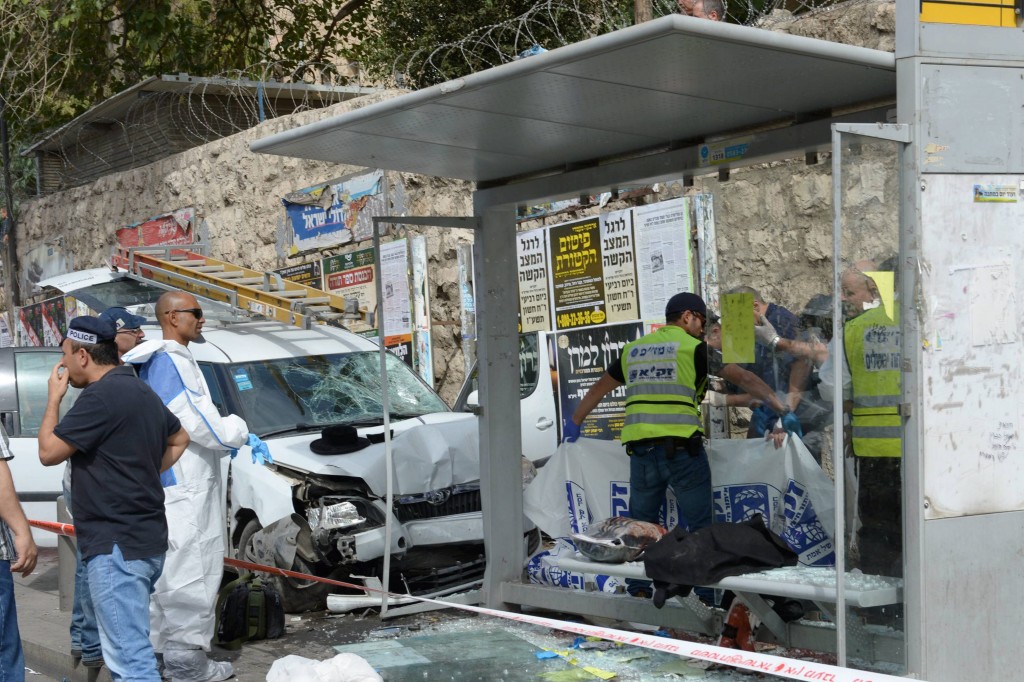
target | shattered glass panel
[
  {"x": 486, "y": 649},
  {"x": 308, "y": 392}
]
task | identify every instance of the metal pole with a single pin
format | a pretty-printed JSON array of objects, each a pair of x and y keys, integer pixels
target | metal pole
[
  {"x": 838, "y": 442},
  {"x": 386, "y": 407},
  {"x": 7, "y": 233}
]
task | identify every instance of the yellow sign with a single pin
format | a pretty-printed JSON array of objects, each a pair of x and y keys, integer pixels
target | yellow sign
[
  {"x": 737, "y": 327},
  {"x": 886, "y": 289},
  {"x": 976, "y": 13}
]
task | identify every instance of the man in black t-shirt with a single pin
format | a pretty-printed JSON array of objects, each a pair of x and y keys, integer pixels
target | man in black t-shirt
[{"x": 119, "y": 437}]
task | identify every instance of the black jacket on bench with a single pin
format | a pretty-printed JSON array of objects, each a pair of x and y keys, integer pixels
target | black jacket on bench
[{"x": 682, "y": 559}]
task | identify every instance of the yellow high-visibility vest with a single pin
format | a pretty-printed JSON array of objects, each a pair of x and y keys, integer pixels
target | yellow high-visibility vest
[
  {"x": 663, "y": 393},
  {"x": 873, "y": 352}
]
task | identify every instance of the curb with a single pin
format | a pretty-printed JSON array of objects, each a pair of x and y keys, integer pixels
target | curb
[{"x": 45, "y": 659}]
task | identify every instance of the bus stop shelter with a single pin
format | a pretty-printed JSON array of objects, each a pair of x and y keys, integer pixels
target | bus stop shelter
[{"x": 650, "y": 103}]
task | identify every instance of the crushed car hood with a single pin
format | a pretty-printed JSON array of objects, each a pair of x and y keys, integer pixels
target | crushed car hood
[{"x": 430, "y": 452}]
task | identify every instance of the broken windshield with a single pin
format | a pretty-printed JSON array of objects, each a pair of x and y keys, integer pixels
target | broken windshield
[{"x": 307, "y": 392}]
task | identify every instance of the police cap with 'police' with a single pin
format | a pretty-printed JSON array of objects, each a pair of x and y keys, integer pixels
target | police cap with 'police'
[{"x": 88, "y": 329}]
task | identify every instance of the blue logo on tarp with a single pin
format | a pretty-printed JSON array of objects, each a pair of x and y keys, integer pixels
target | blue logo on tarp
[
  {"x": 737, "y": 503},
  {"x": 803, "y": 531},
  {"x": 620, "y": 498}
]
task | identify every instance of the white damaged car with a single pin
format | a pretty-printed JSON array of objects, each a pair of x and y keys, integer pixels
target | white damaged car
[{"x": 323, "y": 512}]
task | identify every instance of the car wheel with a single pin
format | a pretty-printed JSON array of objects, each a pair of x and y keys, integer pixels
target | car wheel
[{"x": 297, "y": 596}]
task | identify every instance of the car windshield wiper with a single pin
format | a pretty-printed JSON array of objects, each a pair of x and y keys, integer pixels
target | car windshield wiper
[
  {"x": 364, "y": 419},
  {"x": 294, "y": 428}
]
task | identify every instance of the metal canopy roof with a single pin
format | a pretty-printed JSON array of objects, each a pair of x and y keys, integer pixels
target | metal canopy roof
[{"x": 668, "y": 82}]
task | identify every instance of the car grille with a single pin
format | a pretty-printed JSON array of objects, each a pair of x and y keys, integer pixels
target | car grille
[
  {"x": 438, "y": 504},
  {"x": 463, "y": 572}
]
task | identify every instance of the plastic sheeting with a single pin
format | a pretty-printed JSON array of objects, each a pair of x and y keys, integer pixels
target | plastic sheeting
[{"x": 588, "y": 480}]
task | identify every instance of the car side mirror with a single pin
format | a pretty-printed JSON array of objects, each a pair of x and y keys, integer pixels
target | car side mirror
[{"x": 473, "y": 402}]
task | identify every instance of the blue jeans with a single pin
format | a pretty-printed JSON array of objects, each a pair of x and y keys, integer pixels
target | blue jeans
[
  {"x": 650, "y": 475},
  {"x": 12, "y": 660},
  {"x": 85, "y": 634},
  {"x": 120, "y": 592}
]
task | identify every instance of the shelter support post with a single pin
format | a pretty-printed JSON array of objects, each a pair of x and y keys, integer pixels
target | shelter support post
[{"x": 500, "y": 440}]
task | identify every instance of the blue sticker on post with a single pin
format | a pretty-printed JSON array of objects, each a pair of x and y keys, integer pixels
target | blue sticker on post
[{"x": 242, "y": 380}]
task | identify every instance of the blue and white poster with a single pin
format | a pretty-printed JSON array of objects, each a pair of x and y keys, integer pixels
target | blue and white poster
[{"x": 335, "y": 212}]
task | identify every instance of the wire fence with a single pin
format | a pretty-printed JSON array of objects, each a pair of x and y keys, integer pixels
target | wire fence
[
  {"x": 172, "y": 114},
  {"x": 159, "y": 120},
  {"x": 554, "y": 23}
]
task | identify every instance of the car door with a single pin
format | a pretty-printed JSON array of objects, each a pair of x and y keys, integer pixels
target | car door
[
  {"x": 539, "y": 426},
  {"x": 536, "y": 398},
  {"x": 24, "y": 373}
]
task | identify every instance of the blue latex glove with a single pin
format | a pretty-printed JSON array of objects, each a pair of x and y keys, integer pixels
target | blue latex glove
[
  {"x": 792, "y": 424},
  {"x": 233, "y": 452},
  {"x": 260, "y": 451},
  {"x": 762, "y": 418},
  {"x": 570, "y": 431}
]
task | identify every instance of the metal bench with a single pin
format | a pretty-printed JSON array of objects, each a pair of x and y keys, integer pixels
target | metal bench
[{"x": 817, "y": 585}]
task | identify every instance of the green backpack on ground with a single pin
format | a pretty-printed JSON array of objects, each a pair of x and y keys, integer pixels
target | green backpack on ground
[{"x": 248, "y": 608}]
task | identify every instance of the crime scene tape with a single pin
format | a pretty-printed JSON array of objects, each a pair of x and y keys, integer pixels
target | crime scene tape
[{"x": 745, "y": 660}]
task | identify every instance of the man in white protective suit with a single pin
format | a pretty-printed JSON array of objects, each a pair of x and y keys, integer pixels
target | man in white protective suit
[{"x": 182, "y": 615}]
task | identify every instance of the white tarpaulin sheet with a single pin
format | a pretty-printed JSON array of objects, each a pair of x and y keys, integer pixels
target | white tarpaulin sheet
[{"x": 588, "y": 481}]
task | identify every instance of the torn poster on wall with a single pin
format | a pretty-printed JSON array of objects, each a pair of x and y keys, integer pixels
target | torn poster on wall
[
  {"x": 43, "y": 262},
  {"x": 336, "y": 212},
  {"x": 424, "y": 362},
  {"x": 161, "y": 230}
]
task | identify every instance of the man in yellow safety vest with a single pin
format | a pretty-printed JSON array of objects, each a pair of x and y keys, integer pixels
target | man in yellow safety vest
[
  {"x": 665, "y": 373},
  {"x": 872, "y": 346}
]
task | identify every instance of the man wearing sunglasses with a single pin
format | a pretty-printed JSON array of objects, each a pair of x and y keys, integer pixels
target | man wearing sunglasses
[
  {"x": 182, "y": 607},
  {"x": 128, "y": 326}
]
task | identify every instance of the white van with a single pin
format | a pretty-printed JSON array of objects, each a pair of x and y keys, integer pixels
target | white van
[
  {"x": 538, "y": 410},
  {"x": 321, "y": 514}
]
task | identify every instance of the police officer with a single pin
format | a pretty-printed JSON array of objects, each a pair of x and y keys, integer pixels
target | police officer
[{"x": 665, "y": 373}]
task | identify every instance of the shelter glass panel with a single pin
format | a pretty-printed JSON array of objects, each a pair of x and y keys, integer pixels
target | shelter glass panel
[
  {"x": 866, "y": 378},
  {"x": 765, "y": 268}
]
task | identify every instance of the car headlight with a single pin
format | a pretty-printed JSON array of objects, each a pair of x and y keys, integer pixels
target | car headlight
[{"x": 333, "y": 516}]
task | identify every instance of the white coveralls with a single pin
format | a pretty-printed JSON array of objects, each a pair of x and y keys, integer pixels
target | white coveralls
[{"x": 182, "y": 607}]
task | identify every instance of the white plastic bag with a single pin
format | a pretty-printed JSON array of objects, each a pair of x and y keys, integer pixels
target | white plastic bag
[{"x": 341, "y": 668}]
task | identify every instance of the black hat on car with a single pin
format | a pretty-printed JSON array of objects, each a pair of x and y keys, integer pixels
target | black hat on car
[{"x": 338, "y": 440}]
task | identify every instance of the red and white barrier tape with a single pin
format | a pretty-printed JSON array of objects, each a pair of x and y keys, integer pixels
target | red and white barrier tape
[{"x": 745, "y": 660}]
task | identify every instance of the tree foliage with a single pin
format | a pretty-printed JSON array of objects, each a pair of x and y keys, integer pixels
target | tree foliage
[{"x": 63, "y": 56}]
